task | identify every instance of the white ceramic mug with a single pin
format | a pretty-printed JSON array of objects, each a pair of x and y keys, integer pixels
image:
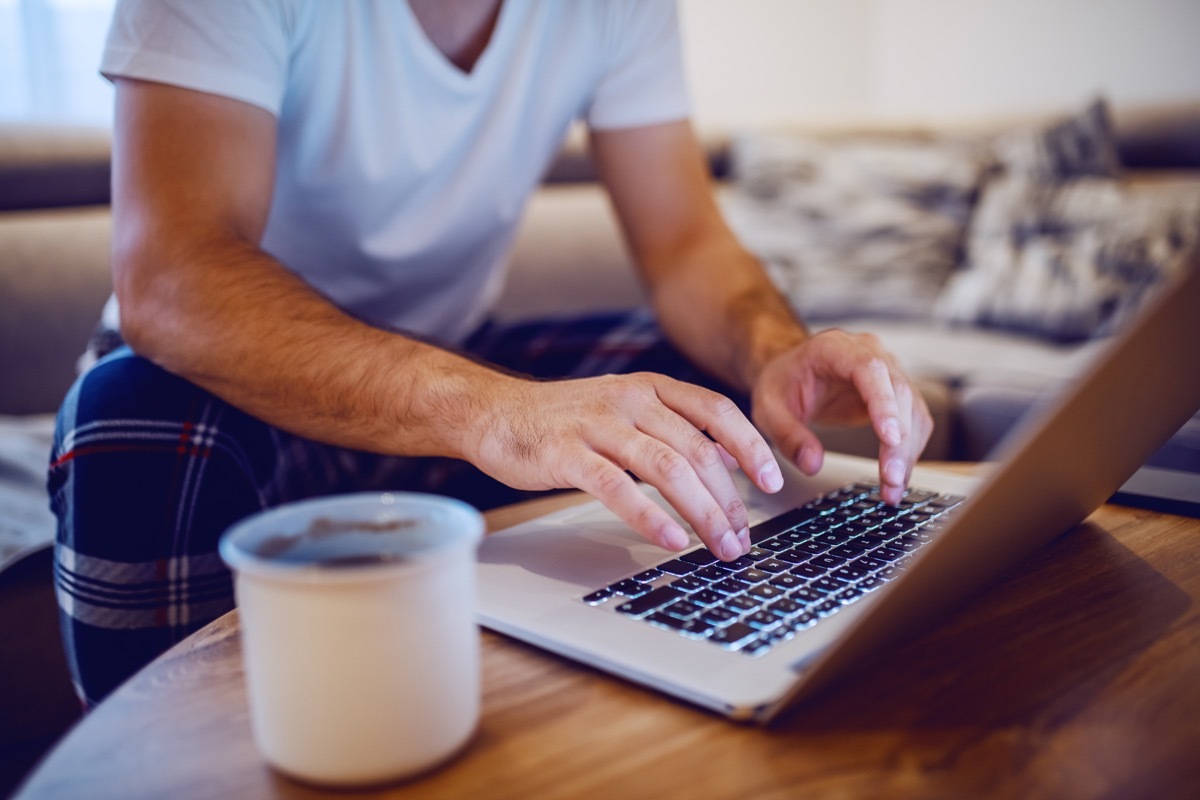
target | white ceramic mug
[{"x": 360, "y": 646}]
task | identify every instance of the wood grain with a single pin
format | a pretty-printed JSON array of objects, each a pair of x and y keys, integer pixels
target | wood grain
[{"x": 1076, "y": 675}]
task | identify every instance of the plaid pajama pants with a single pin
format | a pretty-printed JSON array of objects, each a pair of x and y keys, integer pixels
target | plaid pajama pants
[{"x": 148, "y": 470}]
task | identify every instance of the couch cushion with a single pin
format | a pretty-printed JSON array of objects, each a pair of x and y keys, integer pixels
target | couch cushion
[
  {"x": 1072, "y": 259},
  {"x": 1082, "y": 144},
  {"x": 856, "y": 224},
  {"x": 54, "y": 278},
  {"x": 568, "y": 258},
  {"x": 49, "y": 166}
]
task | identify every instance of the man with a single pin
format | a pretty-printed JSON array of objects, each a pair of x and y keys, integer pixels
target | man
[{"x": 312, "y": 202}]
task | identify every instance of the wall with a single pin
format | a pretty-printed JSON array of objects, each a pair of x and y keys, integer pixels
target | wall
[{"x": 767, "y": 61}]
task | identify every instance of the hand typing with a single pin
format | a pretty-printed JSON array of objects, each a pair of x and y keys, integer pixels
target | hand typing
[
  {"x": 841, "y": 378},
  {"x": 588, "y": 433}
]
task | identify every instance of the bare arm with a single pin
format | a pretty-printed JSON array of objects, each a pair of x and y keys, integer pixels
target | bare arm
[
  {"x": 715, "y": 301},
  {"x": 193, "y": 180},
  {"x": 192, "y": 189}
]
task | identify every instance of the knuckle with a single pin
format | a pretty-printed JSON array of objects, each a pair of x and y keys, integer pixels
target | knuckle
[
  {"x": 671, "y": 465},
  {"x": 645, "y": 517},
  {"x": 720, "y": 406},
  {"x": 705, "y": 452},
  {"x": 869, "y": 341},
  {"x": 715, "y": 520},
  {"x": 608, "y": 480}
]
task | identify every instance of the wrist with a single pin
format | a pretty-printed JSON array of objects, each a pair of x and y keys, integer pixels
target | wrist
[{"x": 771, "y": 340}]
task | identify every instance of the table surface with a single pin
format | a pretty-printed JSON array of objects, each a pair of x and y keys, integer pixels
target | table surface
[{"x": 1075, "y": 675}]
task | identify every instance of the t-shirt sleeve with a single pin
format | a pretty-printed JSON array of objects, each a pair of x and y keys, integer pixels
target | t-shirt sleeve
[
  {"x": 643, "y": 83},
  {"x": 233, "y": 48}
]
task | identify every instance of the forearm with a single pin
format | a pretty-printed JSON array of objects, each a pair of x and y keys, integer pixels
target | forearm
[
  {"x": 229, "y": 318},
  {"x": 718, "y": 305}
]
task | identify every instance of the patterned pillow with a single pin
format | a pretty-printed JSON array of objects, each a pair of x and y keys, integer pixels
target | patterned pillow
[
  {"x": 1068, "y": 260},
  {"x": 1075, "y": 147},
  {"x": 1060, "y": 248},
  {"x": 854, "y": 225}
]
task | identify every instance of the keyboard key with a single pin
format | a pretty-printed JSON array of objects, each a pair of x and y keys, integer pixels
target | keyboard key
[
  {"x": 677, "y": 566},
  {"x": 700, "y": 558},
  {"x": 826, "y": 585},
  {"x": 733, "y": 635},
  {"x": 765, "y": 591},
  {"x": 794, "y": 556},
  {"x": 705, "y": 597},
  {"x": 752, "y": 575},
  {"x": 718, "y": 616},
  {"x": 887, "y": 553},
  {"x": 785, "y": 606},
  {"x": 832, "y": 538},
  {"x": 710, "y": 573},
  {"x": 649, "y": 576},
  {"x": 629, "y": 588},
  {"x": 689, "y": 584},
  {"x": 597, "y": 597},
  {"x": 741, "y": 604},
  {"x": 946, "y": 500},
  {"x": 696, "y": 627},
  {"x": 682, "y": 609},
  {"x": 785, "y": 521},
  {"x": 738, "y": 564},
  {"x": 807, "y": 595},
  {"x": 773, "y": 565},
  {"x": 807, "y": 571},
  {"x": 763, "y": 620},
  {"x": 812, "y": 547},
  {"x": 775, "y": 544},
  {"x": 651, "y": 600},
  {"x": 730, "y": 586},
  {"x": 786, "y": 581},
  {"x": 917, "y": 497},
  {"x": 757, "y": 646},
  {"x": 829, "y": 561},
  {"x": 662, "y": 620}
]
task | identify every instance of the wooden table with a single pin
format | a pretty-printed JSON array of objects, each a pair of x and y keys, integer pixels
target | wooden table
[{"x": 1077, "y": 675}]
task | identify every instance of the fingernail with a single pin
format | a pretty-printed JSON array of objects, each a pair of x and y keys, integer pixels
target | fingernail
[
  {"x": 729, "y": 546},
  {"x": 744, "y": 537},
  {"x": 771, "y": 479},
  {"x": 673, "y": 538},
  {"x": 802, "y": 459},
  {"x": 891, "y": 431},
  {"x": 893, "y": 472}
]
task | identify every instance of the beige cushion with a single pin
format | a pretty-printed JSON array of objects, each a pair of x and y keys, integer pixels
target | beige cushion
[{"x": 54, "y": 278}]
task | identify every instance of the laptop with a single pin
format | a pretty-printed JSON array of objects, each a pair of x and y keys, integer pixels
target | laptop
[{"x": 835, "y": 575}]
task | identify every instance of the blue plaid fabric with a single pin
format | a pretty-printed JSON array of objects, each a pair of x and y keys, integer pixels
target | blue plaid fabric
[{"x": 148, "y": 470}]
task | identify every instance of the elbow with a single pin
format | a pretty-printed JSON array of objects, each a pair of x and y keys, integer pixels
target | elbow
[{"x": 141, "y": 287}]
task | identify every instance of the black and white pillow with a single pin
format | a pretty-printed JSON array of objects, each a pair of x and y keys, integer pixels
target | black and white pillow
[
  {"x": 1083, "y": 145},
  {"x": 855, "y": 225},
  {"x": 1059, "y": 247},
  {"x": 1069, "y": 260}
]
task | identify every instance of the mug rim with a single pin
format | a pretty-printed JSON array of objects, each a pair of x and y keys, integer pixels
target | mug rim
[{"x": 465, "y": 535}]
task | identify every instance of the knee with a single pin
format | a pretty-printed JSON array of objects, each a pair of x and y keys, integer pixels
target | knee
[{"x": 123, "y": 385}]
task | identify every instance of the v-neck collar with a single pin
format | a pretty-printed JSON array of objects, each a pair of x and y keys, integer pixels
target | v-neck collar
[{"x": 437, "y": 61}]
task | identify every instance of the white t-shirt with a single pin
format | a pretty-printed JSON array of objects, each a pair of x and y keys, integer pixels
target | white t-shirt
[{"x": 401, "y": 179}]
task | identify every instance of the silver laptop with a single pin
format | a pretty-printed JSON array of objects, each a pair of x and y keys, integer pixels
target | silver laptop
[{"x": 835, "y": 575}]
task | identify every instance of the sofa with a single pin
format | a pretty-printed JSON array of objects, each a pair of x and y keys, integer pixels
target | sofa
[{"x": 980, "y": 372}]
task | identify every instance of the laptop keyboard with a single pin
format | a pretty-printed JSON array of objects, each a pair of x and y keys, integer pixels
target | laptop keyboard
[{"x": 803, "y": 565}]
